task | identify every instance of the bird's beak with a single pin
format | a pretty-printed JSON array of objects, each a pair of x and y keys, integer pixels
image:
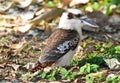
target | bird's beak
[{"x": 89, "y": 22}]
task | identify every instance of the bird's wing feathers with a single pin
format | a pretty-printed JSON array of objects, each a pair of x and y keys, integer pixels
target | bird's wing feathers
[{"x": 58, "y": 44}]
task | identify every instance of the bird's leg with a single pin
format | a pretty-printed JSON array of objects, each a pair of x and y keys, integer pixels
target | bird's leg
[{"x": 84, "y": 37}]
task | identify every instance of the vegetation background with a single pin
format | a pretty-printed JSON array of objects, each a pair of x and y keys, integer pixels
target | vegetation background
[{"x": 25, "y": 24}]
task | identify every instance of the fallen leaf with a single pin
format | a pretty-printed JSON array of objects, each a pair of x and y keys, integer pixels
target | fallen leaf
[
  {"x": 10, "y": 21},
  {"x": 103, "y": 73},
  {"x": 64, "y": 3},
  {"x": 76, "y": 80},
  {"x": 18, "y": 45},
  {"x": 48, "y": 15},
  {"x": 23, "y": 3},
  {"x": 110, "y": 75},
  {"x": 24, "y": 28},
  {"x": 27, "y": 15},
  {"x": 40, "y": 11},
  {"x": 76, "y": 2},
  {"x": 89, "y": 9},
  {"x": 33, "y": 32},
  {"x": 2, "y": 65},
  {"x": 29, "y": 66},
  {"x": 48, "y": 29},
  {"x": 113, "y": 63},
  {"x": 5, "y": 4},
  {"x": 15, "y": 66}
]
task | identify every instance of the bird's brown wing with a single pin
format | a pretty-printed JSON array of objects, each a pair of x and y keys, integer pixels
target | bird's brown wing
[{"x": 58, "y": 44}]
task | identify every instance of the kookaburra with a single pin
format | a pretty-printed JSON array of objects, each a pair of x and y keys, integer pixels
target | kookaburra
[{"x": 62, "y": 43}]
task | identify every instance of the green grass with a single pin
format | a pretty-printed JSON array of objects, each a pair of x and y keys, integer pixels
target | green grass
[{"x": 91, "y": 63}]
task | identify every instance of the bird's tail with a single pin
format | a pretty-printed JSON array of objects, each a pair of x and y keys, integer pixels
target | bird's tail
[{"x": 38, "y": 66}]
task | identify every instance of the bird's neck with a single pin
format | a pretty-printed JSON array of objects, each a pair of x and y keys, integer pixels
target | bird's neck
[
  {"x": 68, "y": 26},
  {"x": 72, "y": 24}
]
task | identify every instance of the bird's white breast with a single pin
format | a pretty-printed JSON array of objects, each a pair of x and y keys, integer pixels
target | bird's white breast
[{"x": 65, "y": 60}]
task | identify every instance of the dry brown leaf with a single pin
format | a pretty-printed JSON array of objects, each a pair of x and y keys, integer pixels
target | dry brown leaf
[
  {"x": 89, "y": 9},
  {"x": 112, "y": 7},
  {"x": 54, "y": 82},
  {"x": 48, "y": 29},
  {"x": 23, "y": 3},
  {"x": 29, "y": 65},
  {"x": 76, "y": 80},
  {"x": 51, "y": 14},
  {"x": 27, "y": 15},
  {"x": 10, "y": 21},
  {"x": 24, "y": 28},
  {"x": 40, "y": 11},
  {"x": 2, "y": 65},
  {"x": 64, "y": 3},
  {"x": 72, "y": 2},
  {"x": 15, "y": 66},
  {"x": 76, "y": 2},
  {"x": 5, "y": 4},
  {"x": 17, "y": 46},
  {"x": 113, "y": 63},
  {"x": 103, "y": 73}
]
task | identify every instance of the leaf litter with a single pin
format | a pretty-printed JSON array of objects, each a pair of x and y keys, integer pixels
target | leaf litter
[{"x": 22, "y": 39}]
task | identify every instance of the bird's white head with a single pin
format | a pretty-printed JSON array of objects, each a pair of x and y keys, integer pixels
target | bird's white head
[{"x": 74, "y": 19}]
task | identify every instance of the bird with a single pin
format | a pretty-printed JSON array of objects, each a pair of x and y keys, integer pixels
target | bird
[{"x": 63, "y": 42}]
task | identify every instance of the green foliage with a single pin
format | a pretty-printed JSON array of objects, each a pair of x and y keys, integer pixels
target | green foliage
[
  {"x": 60, "y": 72},
  {"x": 43, "y": 74},
  {"x": 94, "y": 58},
  {"x": 101, "y": 47},
  {"x": 50, "y": 75},
  {"x": 64, "y": 72},
  {"x": 93, "y": 79},
  {"x": 28, "y": 75},
  {"x": 67, "y": 74},
  {"x": 107, "y": 50},
  {"x": 50, "y": 3},
  {"x": 95, "y": 5},
  {"x": 114, "y": 79},
  {"x": 4, "y": 39},
  {"x": 113, "y": 2},
  {"x": 89, "y": 79},
  {"x": 117, "y": 49},
  {"x": 87, "y": 68}
]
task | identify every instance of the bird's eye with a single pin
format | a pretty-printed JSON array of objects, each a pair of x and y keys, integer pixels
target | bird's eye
[
  {"x": 78, "y": 15},
  {"x": 70, "y": 15}
]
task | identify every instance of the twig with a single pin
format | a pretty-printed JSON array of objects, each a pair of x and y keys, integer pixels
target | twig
[{"x": 53, "y": 13}]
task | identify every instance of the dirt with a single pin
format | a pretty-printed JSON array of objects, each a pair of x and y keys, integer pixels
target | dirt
[{"x": 31, "y": 48}]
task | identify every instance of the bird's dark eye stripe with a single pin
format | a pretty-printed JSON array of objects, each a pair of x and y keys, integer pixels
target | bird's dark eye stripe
[
  {"x": 78, "y": 15},
  {"x": 70, "y": 15}
]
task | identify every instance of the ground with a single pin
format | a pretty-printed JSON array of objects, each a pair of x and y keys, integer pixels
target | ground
[{"x": 18, "y": 50}]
